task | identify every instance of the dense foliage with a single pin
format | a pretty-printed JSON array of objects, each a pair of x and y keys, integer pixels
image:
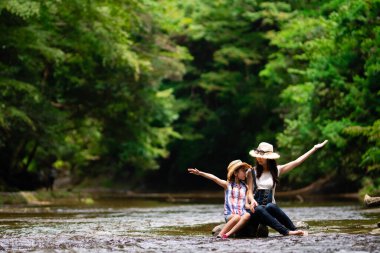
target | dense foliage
[
  {"x": 137, "y": 91},
  {"x": 80, "y": 87}
]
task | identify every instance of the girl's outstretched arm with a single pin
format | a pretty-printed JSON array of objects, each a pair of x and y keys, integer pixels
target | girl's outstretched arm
[
  {"x": 289, "y": 166},
  {"x": 212, "y": 177}
]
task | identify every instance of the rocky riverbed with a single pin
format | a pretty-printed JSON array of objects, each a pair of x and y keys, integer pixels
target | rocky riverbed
[{"x": 127, "y": 225}]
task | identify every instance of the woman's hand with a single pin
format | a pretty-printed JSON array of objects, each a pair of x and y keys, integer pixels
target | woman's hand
[
  {"x": 253, "y": 205},
  {"x": 193, "y": 171},
  {"x": 320, "y": 145}
]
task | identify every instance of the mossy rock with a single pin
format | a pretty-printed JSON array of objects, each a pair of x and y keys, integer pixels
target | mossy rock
[
  {"x": 375, "y": 231},
  {"x": 301, "y": 225},
  {"x": 371, "y": 201}
]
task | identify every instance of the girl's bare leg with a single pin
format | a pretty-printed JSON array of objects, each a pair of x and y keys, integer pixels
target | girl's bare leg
[
  {"x": 239, "y": 225},
  {"x": 234, "y": 218}
]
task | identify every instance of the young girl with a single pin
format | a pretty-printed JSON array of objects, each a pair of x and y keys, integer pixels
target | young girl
[
  {"x": 263, "y": 181},
  {"x": 234, "y": 196}
]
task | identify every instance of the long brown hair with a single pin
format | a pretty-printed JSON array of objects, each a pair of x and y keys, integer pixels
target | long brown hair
[{"x": 272, "y": 165}]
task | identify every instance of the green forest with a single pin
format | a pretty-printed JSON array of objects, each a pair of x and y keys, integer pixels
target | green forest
[{"x": 131, "y": 93}]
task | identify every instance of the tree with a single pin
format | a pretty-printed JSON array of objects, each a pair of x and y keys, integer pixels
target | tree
[
  {"x": 95, "y": 66},
  {"x": 225, "y": 108},
  {"x": 329, "y": 66}
]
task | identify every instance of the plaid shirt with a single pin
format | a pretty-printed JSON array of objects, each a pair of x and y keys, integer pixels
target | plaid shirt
[{"x": 234, "y": 198}]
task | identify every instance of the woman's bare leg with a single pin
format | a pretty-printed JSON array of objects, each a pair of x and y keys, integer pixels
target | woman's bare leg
[
  {"x": 232, "y": 220},
  {"x": 242, "y": 221}
]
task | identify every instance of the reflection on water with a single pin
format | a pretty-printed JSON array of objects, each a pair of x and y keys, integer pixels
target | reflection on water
[{"x": 139, "y": 226}]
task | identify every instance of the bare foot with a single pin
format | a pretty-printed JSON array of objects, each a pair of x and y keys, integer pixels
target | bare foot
[{"x": 297, "y": 232}]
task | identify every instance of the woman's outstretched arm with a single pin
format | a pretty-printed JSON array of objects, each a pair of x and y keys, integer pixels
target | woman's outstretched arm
[
  {"x": 289, "y": 166},
  {"x": 212, "y": 177}
]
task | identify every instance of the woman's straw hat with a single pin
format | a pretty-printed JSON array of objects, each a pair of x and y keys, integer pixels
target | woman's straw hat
[
  {"x": 264, "y": 150},
  {"x": 234, "y": 165}
]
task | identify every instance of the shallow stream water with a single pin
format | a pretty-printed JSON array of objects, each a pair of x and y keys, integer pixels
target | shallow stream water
[{"x": 127, "y": 225}]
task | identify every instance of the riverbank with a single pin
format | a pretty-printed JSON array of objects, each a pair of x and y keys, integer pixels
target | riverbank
[
  {"x": 90, "y": 195},
  {"x": 42, "y": 198}
]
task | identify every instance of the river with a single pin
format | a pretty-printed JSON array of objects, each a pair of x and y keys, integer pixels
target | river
[{"x": 132, "y": 225}]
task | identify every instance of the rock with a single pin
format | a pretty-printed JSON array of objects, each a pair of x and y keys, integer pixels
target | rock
[
  {"x": 249, "y": 230},
  {"x": 262, "y": 231},
  {"x": 378, "y": 224},
  {"x": 371, "y": 201},
  {"x": 301, "y": 225},
  {"x": 216, "y": 230},
  {"x": 375, "y": 231},
  {"x": 252, "y": 231}
]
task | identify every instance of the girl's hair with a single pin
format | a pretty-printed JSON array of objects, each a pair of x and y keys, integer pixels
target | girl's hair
[
  {"x": 231, "y": 178},
  {"x": 272, "y": 165}
]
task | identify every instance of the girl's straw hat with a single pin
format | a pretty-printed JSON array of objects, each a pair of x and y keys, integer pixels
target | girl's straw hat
[
  {"x": 264, "y": 150},
  {"x": 234, "y": 165}
]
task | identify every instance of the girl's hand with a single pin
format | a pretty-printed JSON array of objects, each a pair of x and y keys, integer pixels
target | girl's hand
[
  {"x": 193, "y": 171},
  {"x": 320, "y": 145}
]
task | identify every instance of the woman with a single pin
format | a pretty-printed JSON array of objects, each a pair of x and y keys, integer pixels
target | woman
[
  {"x": 262, "y": 182},
  {"x": 235, "y": 193}
]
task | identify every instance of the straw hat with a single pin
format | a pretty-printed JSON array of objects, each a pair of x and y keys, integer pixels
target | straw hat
[
  {"x": 234, "y": 165},
  {"x": 264, "y": 150}
]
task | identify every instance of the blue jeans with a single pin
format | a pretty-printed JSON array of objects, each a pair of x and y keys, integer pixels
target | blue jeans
[
  {"x": 263, "y": 197},
  {"x": 272, "y": 216}
]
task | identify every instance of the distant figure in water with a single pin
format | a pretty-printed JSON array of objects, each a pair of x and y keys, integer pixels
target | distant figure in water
[
  {"x": 262, "y": 181},
  {"x": 235, "y": 192},
  {"x": 47, "y": 178},
  {"x": 52, "y": 175}
]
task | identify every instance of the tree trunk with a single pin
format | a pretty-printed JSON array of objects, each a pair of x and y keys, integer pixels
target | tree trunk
[
  {"x": 31, "y": 156},
  {"x": 314, "y": 187}
]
